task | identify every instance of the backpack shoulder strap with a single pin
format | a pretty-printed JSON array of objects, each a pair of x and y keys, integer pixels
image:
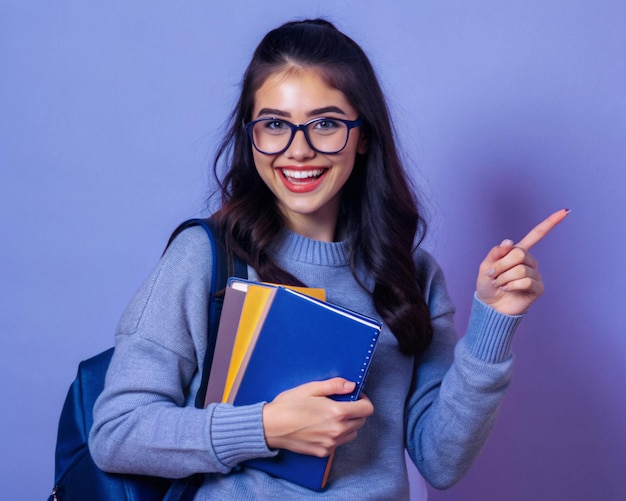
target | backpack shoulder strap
[{"x": 225, "y": 265}]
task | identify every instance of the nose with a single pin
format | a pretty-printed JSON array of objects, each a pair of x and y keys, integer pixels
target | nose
[{"x": 299, "y": 149}]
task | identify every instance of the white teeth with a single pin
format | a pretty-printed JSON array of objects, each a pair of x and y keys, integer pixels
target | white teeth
[{"x": 302, "y": 174}]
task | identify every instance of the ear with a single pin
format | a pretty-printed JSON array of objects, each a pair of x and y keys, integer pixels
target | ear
[{"x": 361, "y": 148}]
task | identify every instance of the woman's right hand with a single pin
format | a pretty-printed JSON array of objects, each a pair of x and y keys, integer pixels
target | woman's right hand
[{"x": 305, "y": 420}]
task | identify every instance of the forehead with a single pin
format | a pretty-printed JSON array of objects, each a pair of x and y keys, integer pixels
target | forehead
[{"x": 299, "y": 91}]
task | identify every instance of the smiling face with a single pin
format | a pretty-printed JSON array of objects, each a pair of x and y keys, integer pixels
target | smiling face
[{"x": 307, "y": 184}]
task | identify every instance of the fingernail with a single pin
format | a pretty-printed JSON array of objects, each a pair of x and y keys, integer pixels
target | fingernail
[
  {"x": 491, "y": 272},
  {"x": 506, "y": 243},
  {"x": 349, "y": 385}
]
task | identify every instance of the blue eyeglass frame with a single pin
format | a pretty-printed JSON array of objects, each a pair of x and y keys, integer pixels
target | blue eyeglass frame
[{"x": 350, "y": 124}]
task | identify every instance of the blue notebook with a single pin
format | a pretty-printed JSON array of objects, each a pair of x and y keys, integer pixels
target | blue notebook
[{"x": 299, "y": 340}]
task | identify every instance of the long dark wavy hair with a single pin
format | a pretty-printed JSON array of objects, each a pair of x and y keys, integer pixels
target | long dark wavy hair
[{"x": 378, "y": 210}]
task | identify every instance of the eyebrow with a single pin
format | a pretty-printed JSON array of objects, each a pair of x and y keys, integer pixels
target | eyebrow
[{"x": 318, "y": 111}]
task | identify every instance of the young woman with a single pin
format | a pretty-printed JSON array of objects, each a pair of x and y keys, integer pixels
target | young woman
[{"x": 315, "y": 194}]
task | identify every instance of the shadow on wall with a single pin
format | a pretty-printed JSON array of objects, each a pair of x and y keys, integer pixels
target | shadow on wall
[{"x": 556, "y": 431}]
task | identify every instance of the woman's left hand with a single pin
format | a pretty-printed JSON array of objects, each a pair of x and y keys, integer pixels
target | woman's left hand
[{"x": 509, "y": 279}]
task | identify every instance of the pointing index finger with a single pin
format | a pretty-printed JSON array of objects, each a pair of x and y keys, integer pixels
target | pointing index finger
[{"x": 542, "y": 229}]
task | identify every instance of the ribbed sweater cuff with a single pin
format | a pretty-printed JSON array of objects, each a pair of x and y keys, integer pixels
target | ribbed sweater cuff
[
  {"x": 237, "y": 433},
  {"x": 490, "y": 333}
]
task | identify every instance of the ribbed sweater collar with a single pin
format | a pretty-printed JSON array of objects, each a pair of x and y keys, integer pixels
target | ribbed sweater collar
[{"x": 294, "y": 247}]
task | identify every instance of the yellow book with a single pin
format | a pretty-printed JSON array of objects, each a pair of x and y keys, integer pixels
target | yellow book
[{"x": 253, "y": 308}]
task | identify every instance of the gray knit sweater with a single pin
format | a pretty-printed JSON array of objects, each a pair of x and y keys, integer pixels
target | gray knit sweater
[{"x": 440, "y": 406}]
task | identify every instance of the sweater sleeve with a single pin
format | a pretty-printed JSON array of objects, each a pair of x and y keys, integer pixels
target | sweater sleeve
[
  {"x": 458, "y": 386},
  {"x": 144, "y": 420}
]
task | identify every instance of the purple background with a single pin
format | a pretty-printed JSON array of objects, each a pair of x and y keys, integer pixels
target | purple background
[{"x": 109, "y": 113}]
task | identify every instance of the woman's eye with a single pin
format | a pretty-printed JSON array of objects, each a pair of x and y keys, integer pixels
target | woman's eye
[
  {"x": 276, "y": 125},
  {"x": 326, "y": 125}
]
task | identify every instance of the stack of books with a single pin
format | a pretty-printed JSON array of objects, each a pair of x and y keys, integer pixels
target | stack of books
[{"x": 272, "y": 338}]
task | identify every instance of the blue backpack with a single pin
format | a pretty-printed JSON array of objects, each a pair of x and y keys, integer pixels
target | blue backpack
[{"x": 77, "y": 478}]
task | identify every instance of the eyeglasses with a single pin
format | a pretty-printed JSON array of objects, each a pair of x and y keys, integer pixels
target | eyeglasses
[{"x": 273, "y": 136}]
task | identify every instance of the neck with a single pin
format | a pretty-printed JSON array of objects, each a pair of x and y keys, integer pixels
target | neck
[{"x": 323, "y": 227}]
